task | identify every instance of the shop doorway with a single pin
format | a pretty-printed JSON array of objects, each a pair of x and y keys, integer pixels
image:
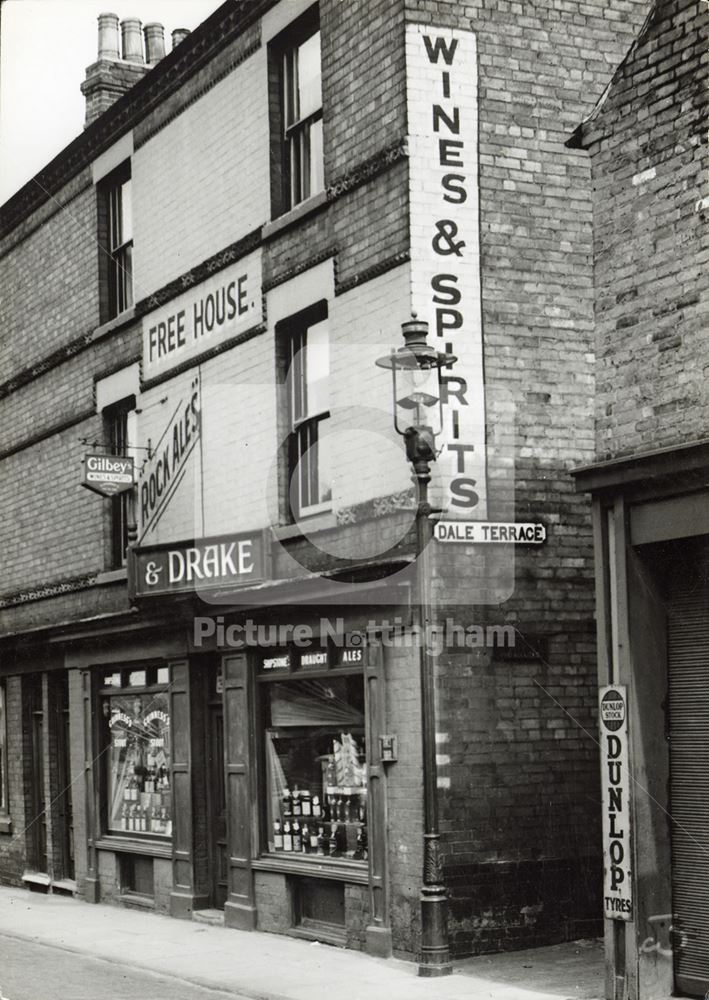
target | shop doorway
[
  {"x": 37, "y": 826},
  {"x": 63, "y": 814},
  {"x": 216, "y": 803},
  {"x": 688, "y": 656}
]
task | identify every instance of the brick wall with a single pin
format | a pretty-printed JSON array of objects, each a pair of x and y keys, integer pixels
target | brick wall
[
  {"x": 50, "y": 284},
  {"x": 520, "y": 798},
  {"x": 191, "y": 195},
  {"x": 649, "y": 155}
]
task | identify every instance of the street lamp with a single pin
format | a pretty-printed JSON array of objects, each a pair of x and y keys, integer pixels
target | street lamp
[{"x": 418, "y": 418}]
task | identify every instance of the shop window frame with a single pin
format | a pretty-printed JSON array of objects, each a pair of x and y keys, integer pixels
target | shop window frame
[
  {"x": 103, "y": 692},
  {"x": 261, "y": 706},
  {"x": 288, "y": 192}
]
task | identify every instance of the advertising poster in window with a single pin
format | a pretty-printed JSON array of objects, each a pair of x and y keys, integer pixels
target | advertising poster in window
[{"x": 139, "y": 793}]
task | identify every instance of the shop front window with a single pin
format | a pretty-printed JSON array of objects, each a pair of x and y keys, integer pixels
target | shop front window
[
  {"x": 137, "y": 713},
  {"x": 316, "y": 767}
]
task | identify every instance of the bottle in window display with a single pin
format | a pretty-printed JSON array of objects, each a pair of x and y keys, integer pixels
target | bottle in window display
[
  {"x": 286, "y": 802},
  {"x": 317, "y": 808},
  {"x": 333, "y": 840},
  {"x": 277, "y": 836},
  {"x": 305, "y": 839},
  {"x": 331, "y": 773},
  {"x": 297, "y": 807},
  {"x": 287, "y": 837},
  {"x": 359, "y": 849},
  {"x": 306, "y": 806},
  {"x": 315, "y": 840},
  {"x": 322, "y": 841},
  {"x": 297, "y": 837}
]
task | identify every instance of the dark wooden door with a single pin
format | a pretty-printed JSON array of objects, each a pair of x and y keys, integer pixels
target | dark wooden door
[
  {"x": 39, "y": 819},
  {"x": 64, "y": 811},
  {"x": 217, "y": 804}
]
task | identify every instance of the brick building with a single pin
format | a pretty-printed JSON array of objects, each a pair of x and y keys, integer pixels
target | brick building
[
  {"x": 647, "y": 140},
  {"x": 202, "y": 282}
]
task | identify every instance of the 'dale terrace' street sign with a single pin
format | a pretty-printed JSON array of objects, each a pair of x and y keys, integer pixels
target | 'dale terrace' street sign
[
  {"x": 107, "y": 474},
  {"x": 487, "y": 532}
]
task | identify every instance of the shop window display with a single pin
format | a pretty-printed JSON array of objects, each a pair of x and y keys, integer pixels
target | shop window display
[
  {"x": 138, "y": 757},
  {"x": 316, "y": 768}
]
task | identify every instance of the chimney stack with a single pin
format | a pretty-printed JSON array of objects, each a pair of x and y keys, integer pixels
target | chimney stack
[
  {"x": 179, "y": 35},
  {"x": 108, "y": 37},
  {"x": 115, "y": 72},
  {"x": 132, "y": 40},
  {"x": 154, "y": 43}
]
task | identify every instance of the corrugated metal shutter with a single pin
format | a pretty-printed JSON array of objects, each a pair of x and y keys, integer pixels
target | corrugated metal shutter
[{"x": 688, "y": 635}]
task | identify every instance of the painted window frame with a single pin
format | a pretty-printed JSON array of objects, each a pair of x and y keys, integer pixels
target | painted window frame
[
  {"x": 116, "y": 242},
  {"x": 120, "y": 430},
  {"x": 307, "y": 417},
  {"x": 297, "y": 160}
]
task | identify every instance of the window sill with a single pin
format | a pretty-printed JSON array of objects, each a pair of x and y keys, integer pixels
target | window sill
[
  {"x": 343, "y": 871},
  {"x": 316, "y": 930},
  {"x": 5, "y": 824},
  {"x": 112, "y": 576},
  {"x": 149, "y": 848},
  {"x": 127, "y": 316},
  {"x": 295, "y": 215},
  {"x": 311, "y": 523}
]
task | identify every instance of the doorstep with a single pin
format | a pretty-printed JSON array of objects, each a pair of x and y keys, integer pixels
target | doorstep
[
  {"x": 41, "y": 882},
  {"x": 213, "y": 917}
]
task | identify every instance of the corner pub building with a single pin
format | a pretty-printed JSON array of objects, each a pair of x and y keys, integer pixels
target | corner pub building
[{"x": 208, "y": 700}]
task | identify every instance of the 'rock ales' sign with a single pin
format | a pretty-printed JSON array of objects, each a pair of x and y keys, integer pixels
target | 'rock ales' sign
[
  {"x": 615, "y": 782},
  {"x": 442, "y": 107}
]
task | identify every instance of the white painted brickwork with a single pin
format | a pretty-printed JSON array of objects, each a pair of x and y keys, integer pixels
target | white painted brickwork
[
  {"x": 202, "y": 182},
  {"x": 231, "y": 477}
]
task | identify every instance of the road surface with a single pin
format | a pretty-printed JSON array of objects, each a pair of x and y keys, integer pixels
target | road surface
[{"x": 31, "y": 971}]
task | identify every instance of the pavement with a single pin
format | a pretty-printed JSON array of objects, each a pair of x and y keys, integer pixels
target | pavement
[{"x": 274, "y": 967}]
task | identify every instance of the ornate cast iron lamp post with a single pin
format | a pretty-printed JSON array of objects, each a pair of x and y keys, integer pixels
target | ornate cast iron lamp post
[{"x": 418, "y": 418}]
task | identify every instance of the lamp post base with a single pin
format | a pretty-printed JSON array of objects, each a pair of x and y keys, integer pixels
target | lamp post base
[{"x": 435, "y": 957}]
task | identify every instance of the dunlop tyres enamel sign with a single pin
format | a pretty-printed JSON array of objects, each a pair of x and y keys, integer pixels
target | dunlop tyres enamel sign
[
  {"x": 615, "y": 783},
  {"x": 442, "y": 107}
]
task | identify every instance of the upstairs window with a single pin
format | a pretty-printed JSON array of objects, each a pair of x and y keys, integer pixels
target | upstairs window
[
  {"x": 308, "y": 395},
  {"x": 116, "y": 238},
  {"x": 297, "y": 127},
  {"x": 119, "y": 424}
]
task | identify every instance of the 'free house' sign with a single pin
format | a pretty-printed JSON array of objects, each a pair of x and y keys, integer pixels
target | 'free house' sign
[{"x": 209, "y": 314}]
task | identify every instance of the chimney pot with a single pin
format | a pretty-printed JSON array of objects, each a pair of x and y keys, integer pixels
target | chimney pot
[
  {"x": 132, "y": 40},
  {"x": 154, "y": 43},
  {"x": 179, "y": 35},
  {"x": 108, "y": 36}
]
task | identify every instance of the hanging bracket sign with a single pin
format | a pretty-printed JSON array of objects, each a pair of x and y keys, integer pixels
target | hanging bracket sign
[
  {"x": 615, "y": 783},
  {"x": 107, "y": 474}
]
